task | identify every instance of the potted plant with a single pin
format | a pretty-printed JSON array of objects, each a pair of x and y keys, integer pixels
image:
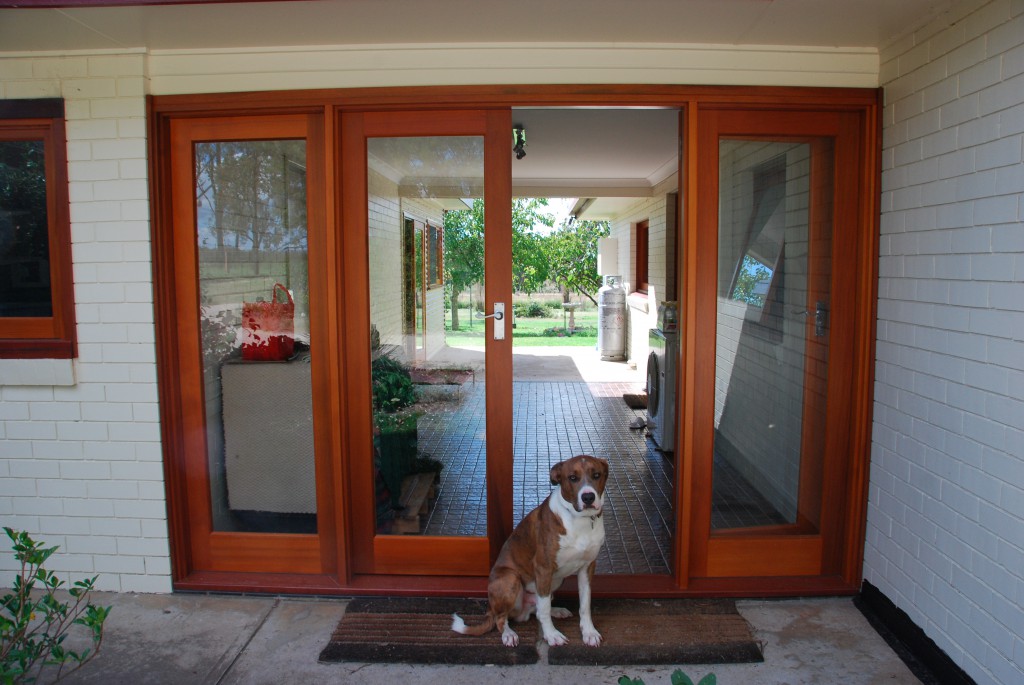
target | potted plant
[{"x": 395, "y": 420}]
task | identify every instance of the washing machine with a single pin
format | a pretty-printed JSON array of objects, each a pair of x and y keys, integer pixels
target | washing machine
[{"x": 661, "y": 387}]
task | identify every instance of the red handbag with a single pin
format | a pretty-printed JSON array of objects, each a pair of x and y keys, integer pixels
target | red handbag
[{"x": 268, "y": 328}]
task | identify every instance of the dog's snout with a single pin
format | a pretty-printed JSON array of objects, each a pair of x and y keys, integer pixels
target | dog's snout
[{"x": 588, "y": 498}]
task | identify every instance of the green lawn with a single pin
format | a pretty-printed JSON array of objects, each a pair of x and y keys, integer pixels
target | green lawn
[{"x": 528, "y": 331}]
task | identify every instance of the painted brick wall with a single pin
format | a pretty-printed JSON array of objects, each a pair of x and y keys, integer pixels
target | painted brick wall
[
  {"x": 80, "y": 462},
  {"x": 946, "y": 513}
]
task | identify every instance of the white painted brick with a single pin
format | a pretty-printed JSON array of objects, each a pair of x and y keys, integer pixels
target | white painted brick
[
  {"x": 140, "y": 509},
  {"x": 60, "y": 488},
  {"x": 1003, "y": 152},
  {"x": 1003, "y": 95},
  {"x": 157, "y": 584},
  {"x": 974, "y": 356},
  {"x": 979, "y": 76}
]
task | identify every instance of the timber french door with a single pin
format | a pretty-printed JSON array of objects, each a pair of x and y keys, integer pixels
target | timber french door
[
  {"x": 433, "y": 169},
  {"x": 777, "y": 272},
  {"x": 251, "y": 439}
]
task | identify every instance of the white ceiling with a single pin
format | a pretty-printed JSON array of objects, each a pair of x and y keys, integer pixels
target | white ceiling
[{"x": 825, "y": 23}]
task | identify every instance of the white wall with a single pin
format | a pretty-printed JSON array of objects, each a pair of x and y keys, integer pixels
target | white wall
[
  {"x": 946, "y": 511},
  {"x": 641, "y": 312},
  {"x": 80, "y": 461}
]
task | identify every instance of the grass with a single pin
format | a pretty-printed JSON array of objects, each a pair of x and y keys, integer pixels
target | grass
[{"x": 528, "y": 331}]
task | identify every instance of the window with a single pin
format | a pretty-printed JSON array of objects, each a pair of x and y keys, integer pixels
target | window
[
  {"x": 641, "y": 257},
  {"x": 435, "y": 262},
  {"x": 36, "y": 296}
]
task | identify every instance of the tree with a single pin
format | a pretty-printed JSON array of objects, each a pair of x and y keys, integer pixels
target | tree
[
  {"x": 464, "y": 248},
  {"x": 529, "y": 261},
  {"x": 571, "y": 254}
]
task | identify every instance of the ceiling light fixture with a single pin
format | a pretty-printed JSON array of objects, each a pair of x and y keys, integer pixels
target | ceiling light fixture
[{"x": 519, "y": 141}]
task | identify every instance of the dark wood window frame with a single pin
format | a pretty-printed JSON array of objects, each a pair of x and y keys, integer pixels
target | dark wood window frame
[
  {"x": 643, "y": 247},
  {"x": 53, "y": 336}
]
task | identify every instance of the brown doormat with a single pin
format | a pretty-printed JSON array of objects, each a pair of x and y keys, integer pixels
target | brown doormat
[
  {"x": 635, "y": 400},
  {"x": 635, "y": 632},
  {"x": 417, "y": 630},
  {"x": 660, "y": 631}
]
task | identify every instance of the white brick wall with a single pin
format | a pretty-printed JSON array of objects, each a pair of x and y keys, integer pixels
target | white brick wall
[
  {"x": 80, "y": 458},
  {"x": 946, "y": 511}
]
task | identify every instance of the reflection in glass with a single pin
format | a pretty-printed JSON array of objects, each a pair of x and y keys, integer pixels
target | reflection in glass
[
  {"x": 24, "y": 230},
  {"x": 768, "y": 379},
  {"x": 426, "y": 273},
  {"x": 251, "y": 232}
]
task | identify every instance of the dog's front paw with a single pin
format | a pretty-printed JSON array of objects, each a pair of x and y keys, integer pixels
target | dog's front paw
[
  {"x": 555, "y": 638},
  {"x": 509, "y": 637},
  {"x": 591, "y": 637},
  {"x": 560, "y": 612}
]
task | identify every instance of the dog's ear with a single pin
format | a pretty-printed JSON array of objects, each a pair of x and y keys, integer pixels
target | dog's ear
[{"x": 556, "y": 473}]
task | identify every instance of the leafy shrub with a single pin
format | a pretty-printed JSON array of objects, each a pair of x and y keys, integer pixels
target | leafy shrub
[
  {"x": 531, "y": 310},
  {"x": 392, "y": 385},
  {"x": 34, "y": 623}
]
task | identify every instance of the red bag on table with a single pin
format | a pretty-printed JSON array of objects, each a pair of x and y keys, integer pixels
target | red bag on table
[{"x": 268, "y": 328}]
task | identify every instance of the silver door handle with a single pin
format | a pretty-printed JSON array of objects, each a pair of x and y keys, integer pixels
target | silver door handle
[
  {"x": 499, "y": 320},
  {"x": 820, "y": 314}
]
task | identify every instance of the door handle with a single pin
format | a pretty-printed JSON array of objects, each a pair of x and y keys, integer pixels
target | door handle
[
  {"x": 820, "y": 314},
  {"x": 499, "y": 320}
]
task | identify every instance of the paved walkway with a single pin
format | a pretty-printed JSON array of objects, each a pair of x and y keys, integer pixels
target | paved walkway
[{"x": 238, "y": 640}]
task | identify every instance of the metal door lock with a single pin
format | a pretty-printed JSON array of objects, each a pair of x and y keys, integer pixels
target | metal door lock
[{"x": 499, "y": 320}]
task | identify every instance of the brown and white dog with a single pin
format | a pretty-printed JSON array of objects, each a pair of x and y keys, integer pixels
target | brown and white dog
[{"x": 559, "y": 538}]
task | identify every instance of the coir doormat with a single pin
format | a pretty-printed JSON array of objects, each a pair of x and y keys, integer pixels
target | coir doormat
[
  {"x": 417, "y": 630},
  {"x": 660, "y": 631},
  {"x": 635, "y": 632}
]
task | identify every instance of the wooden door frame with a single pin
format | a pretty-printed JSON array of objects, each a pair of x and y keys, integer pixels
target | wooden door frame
[
  {"x": 817, "y": 556},
  {"x": 336, "y": 575},
  {"x": 407, "y": 555}
]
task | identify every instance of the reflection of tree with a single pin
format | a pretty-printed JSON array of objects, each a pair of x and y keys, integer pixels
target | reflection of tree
[
  {"x": 253, "y": 194},
  {"x": 572, "y": 256},
  {"x": 751, "y": 282},
  {"x": 463, "y": 252}
]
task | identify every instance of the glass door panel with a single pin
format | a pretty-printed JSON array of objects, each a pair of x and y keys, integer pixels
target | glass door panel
[
  {"x": 429, "y": 458},
  {"x": 251, "y": 241},
  {"x": 429, "y": 419},
  {"x": 772, "y": 334},
  {"x": 777, "y": 204}
]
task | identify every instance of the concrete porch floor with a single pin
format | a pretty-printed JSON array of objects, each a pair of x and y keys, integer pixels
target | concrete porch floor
[{"x": 188, "y": 639}]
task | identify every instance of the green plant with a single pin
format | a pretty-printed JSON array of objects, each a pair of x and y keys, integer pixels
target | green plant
[
  {"x": 531, "y": 309},
  {"x": 678, "y": 678},
  {"x": 396, "y": 422},
  {"x": 392, "y": 385},
  {"x": 34, "y": 623}
]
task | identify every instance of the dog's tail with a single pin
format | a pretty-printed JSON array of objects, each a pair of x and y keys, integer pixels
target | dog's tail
[{"x": 459, "y": 626}]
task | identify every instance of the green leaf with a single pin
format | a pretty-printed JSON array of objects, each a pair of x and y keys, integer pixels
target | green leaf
[
  {"x": 709, "y": 679},
  {"x": 680, "y": 678}
]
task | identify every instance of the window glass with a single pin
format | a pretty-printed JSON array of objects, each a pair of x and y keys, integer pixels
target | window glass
[{"x": 24, "y": 230}]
